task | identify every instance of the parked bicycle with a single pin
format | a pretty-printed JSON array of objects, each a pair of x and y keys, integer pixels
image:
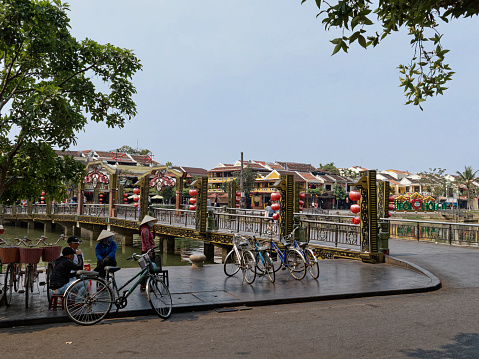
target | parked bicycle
[
  {"x": 89, "y": 299},
  {"x": 264, "y": 262},
  {"x": 288, "y": 258},
  {"x": 241, "y": 257},
  {"x": 310, "y": 259}
]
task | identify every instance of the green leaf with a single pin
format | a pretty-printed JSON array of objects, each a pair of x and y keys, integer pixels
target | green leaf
[
  {"x": 318, "y": 4},
  {"x": 362, "y": 41},
  {"x": 336, "y": 48}
]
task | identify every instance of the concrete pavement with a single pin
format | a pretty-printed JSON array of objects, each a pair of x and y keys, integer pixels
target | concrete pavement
[{"x": 206, "y": 288}]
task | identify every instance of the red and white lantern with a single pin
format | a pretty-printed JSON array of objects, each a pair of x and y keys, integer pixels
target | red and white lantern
[
  {"x": 275, "y": 216},
  {"x": 275, "y": 196},
  {"x": 355, "y": 208},
  {"x": 355, "y": 196},
  {"x": 136, "y": 190},
  {"x": 356, "y": 220}
]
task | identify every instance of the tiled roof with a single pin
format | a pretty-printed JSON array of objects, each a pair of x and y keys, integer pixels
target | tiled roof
[{"x": 303, "y": 167}]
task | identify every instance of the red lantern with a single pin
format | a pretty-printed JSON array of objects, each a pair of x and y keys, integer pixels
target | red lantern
[
  {"x": 192, "y": 208},
  {"x": 193, "y": 192},
  {"x": 101, "y": 195},
  {"x": 355, "y": 208},
  {"x": 391, "y": 207},
  {"x": 356, "y": 220},
  {"x": 24, "y": 203},
  {"x": 136, "y": 190},
  {"x": 275, "y": 206},
  {"x": 192, "y": 200},
  {"x": 42, "y": 202},
  {"x": 275, "y": 196},
  {"x": 302, "y": 195},
  {"x": 125, "y": 195},
  {"x": 275, "y": 216},
  {"x": 300, "y": 209},
  {"x": 389, "y": 214},
  {"x": 391, "y": 198},
  {"x": 42, "y": 198},
  {"x": 136, "y": 204},
  {"x": 237, "y": 206},
  {"x": 238, "y": 199},
  {"x": 101, "y": 200},
  {"x": 43, "y": 193},
  {"x": 238, "y": 194},
  {"x": 125, "y": 200},
  {"x": 354, "y": 196},
  {"x": 301, "y": 203},
  {"x": 136, "y": 198}
]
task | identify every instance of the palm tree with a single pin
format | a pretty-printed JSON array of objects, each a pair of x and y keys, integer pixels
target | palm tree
[{"x": 467, "y": 178}]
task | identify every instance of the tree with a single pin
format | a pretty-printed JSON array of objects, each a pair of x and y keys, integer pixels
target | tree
[
  {"x": 329, "y": 167},
  {"x": 467, "y": 178},
  {"x": 435, "y": 181},
  {"x": 168, "y": 192},
  {"x": 427, "y": 73},
  {"x": 339, "y": 193},
  {"x": 132, "y": 151},
  {"x": 249, "y": 178},
  {"x": 46, "y": 93}
]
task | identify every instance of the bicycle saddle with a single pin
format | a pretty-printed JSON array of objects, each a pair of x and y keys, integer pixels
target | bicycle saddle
[
  {"x": 112, "y": 269},
  {"x": 87, "y": 272}
]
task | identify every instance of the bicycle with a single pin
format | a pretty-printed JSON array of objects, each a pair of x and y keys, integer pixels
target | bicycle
[
  {"x": 51, "y": 263},
  {"x": 89, "y": 299},
  {"x": 264, "y": 263},
  {"x": 289, "y": 258},
  {"x": 240, "y": 257},
  {"x": 311, "y": 261}
]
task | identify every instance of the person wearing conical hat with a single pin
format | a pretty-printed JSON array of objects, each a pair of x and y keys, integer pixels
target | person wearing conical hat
[
  {"x": 147, "y": 234},
  {"x": 105, "y": 251}
]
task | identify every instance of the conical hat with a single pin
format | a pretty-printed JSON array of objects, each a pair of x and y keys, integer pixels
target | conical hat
[
  {"x": 147, "y": 219},
  {"x": 105, "y": 234}
]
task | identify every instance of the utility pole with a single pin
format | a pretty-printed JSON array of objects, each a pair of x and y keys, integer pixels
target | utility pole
[{"x": 243, "y": 199}]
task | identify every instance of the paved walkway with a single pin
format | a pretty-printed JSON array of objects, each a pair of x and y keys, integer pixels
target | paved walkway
[{"x": 209, "y": 288}]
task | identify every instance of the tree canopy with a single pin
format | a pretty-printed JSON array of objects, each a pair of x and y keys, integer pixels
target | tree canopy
[
  {"x": 427, "y": 74},
  {"x": 132, "y": 151},
  {"x": 468, "y": 177},
  {"x": 329, "y": 167},
  {"x": 47, "y": 94}
]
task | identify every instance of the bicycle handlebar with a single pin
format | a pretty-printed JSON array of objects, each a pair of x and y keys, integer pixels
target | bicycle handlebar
[{"x": 135, "y": 256}]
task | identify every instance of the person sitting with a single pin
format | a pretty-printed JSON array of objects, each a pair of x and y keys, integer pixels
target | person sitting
[
  {"x": 74, "y": 242},
  {"x": 62, "y": 272},
  {"x": 105, "y": 252}
]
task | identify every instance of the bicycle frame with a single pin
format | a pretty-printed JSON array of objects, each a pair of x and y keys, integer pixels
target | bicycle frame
[{"x": 142, "y": 274}]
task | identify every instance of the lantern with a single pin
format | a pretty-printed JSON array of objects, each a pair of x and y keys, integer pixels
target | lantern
[
  {"x": 237, "y": 206},
  {"x": 125, "y": 195},
  {"x": 42, "y": 198},
  {"x": 136, "y": 198},
  {"x": 136, "y": 204},
  {"x": 355, "y": 208},
  {"x": 356, "y": 220},
  {"x": 42, "y": 202},
  {"x": 192, "y": 192},
  {"x": 192, "y": 200},
  {"x": 125, "y": 200},
  {"x": 301, "y": 203},
  {"x": 391, "y": 198},
  {"x": 238, "y": 199},
  {"x": 391, "y": 207},
  {"x": 354, "y": 196},
  {"x": 192, "y": 207},
  {"x": 275, "y": 216},
  {"x": 275, "y": 196},
  {"x": 136, "y": 190},
  {"x": 300, "y": 209},
  {"x": 389, "y": 214},
  {"x": 275, "y": 206},
  {"x": 302, "y": 195},
  {"x": 101, "y": 195},
  {"x": 238, "y": 194},
  {"x": 43, "y": 193}
]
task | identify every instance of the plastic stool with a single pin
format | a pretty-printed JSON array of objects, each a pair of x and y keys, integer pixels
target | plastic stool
[{"x": 56, "y": 302}]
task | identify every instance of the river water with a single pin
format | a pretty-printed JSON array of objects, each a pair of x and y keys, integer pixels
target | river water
[{"x": 184, "y": 247}]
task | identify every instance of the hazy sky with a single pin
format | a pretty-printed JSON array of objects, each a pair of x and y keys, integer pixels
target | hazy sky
[{"x": 257, "y": 76}]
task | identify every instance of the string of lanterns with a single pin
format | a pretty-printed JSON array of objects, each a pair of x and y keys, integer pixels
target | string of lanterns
[
  {"x": 193, "y": 192},
  {"x": 238, "y": 199},
  {"x": 275, "y": 196},
  {"x": 136, "y": 198},
  {"x": 355, "y": 208}
]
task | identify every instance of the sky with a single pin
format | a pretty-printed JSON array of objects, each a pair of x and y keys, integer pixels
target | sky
[{"x": 257, "y": 76}]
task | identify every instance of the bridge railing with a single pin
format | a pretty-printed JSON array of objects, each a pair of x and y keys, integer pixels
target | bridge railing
[
  {"x": 175, "y": 217},
  {"x": 441, "y": 232},
  {"x": 332, "y": 232},
  {"x": 96, "y": 210},
  {"x": 65, "y": 208},
  {"x": 127, "y": 211},
  {"x": 249, "y": 225}
]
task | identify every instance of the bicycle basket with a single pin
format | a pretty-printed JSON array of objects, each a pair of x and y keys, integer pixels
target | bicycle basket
[
  {"x": 10, "y": 255},
  {"x": 49, "y": 254},
  {"x": 144, "y": 261}
]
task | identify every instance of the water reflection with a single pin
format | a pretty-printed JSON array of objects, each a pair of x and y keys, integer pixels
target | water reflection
[{"x": 184, "y": 247}]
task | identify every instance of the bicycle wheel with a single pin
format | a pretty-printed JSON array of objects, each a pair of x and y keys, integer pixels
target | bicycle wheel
[
  {"x": 28, "y": 279},
  {"x": 8, "y": 285},
  {"x": 87, "y": 300},
  {"x": 269, "y": 268},
  {"x": 33, "y": 276},
  {"x": 48, "y": 276},
  {"x": 159, "y": 297},
  {"x": 17, "y": 275},
  {"x": 259, "y": 258},
  {"x": 249, "y": 264},
  {"x": 232, "y": 263},
  {"x": 295, "y": 264},
  {"x": 312, "y": 263}
]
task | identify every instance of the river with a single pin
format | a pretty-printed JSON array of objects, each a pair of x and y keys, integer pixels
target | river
[{"x": 184, "y": 247}]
